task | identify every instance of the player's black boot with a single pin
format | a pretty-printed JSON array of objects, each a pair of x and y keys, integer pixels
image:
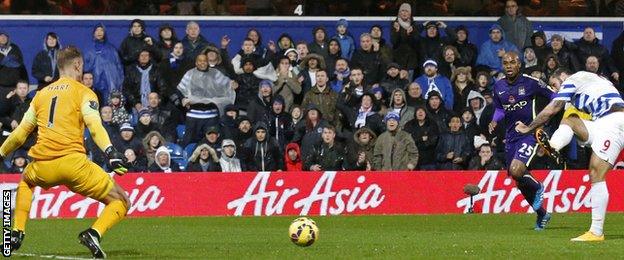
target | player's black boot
[
  {"x": 17, "y": 236},
  {"x": 544, "y": 141},
  {"x": 91, "y": 239}
]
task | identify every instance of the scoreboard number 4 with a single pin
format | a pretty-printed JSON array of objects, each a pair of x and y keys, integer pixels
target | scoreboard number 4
[{"x": 299, "y": 10}]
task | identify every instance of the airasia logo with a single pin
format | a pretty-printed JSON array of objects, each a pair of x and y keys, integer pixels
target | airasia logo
[
  {"x": 330, "y": 201},
  {"x": 556, "y": 199}
]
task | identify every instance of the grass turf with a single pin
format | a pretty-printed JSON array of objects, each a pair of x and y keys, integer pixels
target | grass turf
[{"x": 481, "y": 236}]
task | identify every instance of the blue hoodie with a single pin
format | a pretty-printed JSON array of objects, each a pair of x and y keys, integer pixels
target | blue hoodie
[
  {"x": 443, "y": 86},
  {"x": 347, "y": 43},
  {"x": 102, "y": 60},
  {"x": 488, "y": 53}
]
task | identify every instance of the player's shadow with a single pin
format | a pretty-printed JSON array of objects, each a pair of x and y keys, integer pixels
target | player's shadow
[{"x": 614, "y": 237}]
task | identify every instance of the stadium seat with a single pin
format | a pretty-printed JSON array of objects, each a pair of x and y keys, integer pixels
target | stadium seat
[
  {"x": 7, "y": 163},
  {"x": 189, "y": 149},
  {"x": 174, "y": 150},
  {"x": 180, "y": 129}
]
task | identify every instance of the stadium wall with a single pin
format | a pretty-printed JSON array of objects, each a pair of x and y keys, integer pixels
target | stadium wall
[
  {"x": 28, "y": 31},
  {"x": 324, "y": 193}
]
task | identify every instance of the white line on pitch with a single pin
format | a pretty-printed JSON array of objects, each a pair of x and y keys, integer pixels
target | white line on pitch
[{"x": 51, "y": 256}]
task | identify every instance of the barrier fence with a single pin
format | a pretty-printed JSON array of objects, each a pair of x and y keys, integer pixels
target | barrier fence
[{"x": 324, "y": 193}]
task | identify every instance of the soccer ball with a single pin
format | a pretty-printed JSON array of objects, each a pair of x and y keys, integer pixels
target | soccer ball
[{"x": 303, "y": 231}]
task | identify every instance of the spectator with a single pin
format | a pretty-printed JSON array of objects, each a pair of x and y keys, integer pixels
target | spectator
[
  {"x": 483, "y": 112},
  {"x": 151, "y": 142},
  {"x": 395, "y": 149},
  {"x": 592, "y": 65},
  {"x": 453, "y": 150},
  {"x": 347, "y": 43},
  {"x": 398, "y": 104},
  {"x": 493, "y": 49},
  {"x": 186, "y": 7},
  {"x": 425, "y": 133},
  {"x": 243, "y": 132},
  {"x": 430, "y": 45},
  {"x": 44, "y": 65},
  {"x": 205, "y": 93},
  {"x": 485, "y": 160},
  {"x": 617, "y": 54},
  {"x": 263, "y": 69},
  {"x": 531, "y": 62},
  {"x": 216, "y": 58},
  {"x": 279, "y": 123},
  {"x": 87, "y": 80},
  {"x": 248, "y": 84},
  {"x": 19, "y": 103},
  {"x": 334, "y": 53},
  {"x": 163, "y": 162},
  {"x": 462, "y": 86},
  {"x": 404, "y": 39},
  {"x": 194, "y": 43},
  {"x": 561, "y": 50},
  {"x": 287, "y": 84},
  {"x": 142, "y": 78},
  {"x": 214, "y": 7},
  {"x": 379, "y": 43},
  {"x": 432, "y": 81},
  {"x": 102, "y": 60},
  {"x": 414, "y": 95},
  {"x": 368, "y": 59},
  {"x": 117, "y": 103},
  {"x": 360, "y": 150},
  {"x": 97, "y": 155},
  {"x": 469, "y": 125},
  {"x": 437, "y": 111},
  {"x": 296, "y": 114},
  {"x": 145, "y": 124},
  {"x": 11, "y": 63},
  {"x": 254, "y": 35},
  {"x": 167, "y": 40},
  {"x": 302, "y": 49},
  {"x": 467, "y": 50},
  {"x": 135, "y": 163},
  {"x": 308, "y": 131},
  {"x": 322, "y": 97},
  {"x": 320, "y": 43},
  {"x": 341, "y": 76},
  {"x": 484, "y": 81},
  {"x": 261, "y": 151},
  {"x": 228, "y": 160},
  {"x": 551, "y": 65},
  {"x": 260, "y": 106},
  {"x": 451, "y": 60},
  {"x": 164, "y": 119},
  {"x": 589, "y": 45},
  {"x": 284, "y": 42},
  {"x": 229, "y": 121},
  {"x": 19, "y": 161},
  {"x": 364, "y": 115},
  {"x": 293, "y": 56},
  {"x": 292, "y": 158},
  {"x": 516, "y": 26},
  {"x": 538, "y": 42},
  {"x": 127, "y": 139},
  {"x": 172, "y": 69},
  {"x": 327, "y": 155},
  {"x": 309, "y": 66},
  {"x": 137, "y": 42},
  {"x": 393, "y": 79},
  {"x": 204, "y": 159},
  {"x": 213, "y": 139}
]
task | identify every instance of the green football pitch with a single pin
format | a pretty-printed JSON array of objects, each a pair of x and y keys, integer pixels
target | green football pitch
[{"x": 391, "y": 237}]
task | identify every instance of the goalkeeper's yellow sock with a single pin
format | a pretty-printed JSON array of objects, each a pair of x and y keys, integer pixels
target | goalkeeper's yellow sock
[
  {"x": 111, "y": 215},
  {"x": 22, "y": 205}
]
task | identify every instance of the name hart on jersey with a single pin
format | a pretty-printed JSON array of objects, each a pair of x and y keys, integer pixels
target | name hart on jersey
[
  {"x": 500, "y": 200},
  {"x": 269, "y": 202}
]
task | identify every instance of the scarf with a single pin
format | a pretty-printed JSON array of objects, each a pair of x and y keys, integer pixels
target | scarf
[
  {"x": 174, "y": 61},
  {"x": 5, "y": 49},
  {"x": 361, "y": 118},
  {"x": 146, "y": 88},
  {"x": 404, "y": 24},
  {"x": 52, "y": 53},
  {"x": 345, "y": 74},
  {"x": 230, "y": 164}
]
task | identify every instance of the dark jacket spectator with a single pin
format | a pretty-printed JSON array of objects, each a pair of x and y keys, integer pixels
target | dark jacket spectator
[
  {"x": 394, "y": 149},
  {"x": 44, "y": 67},
  {"x": 212, "y": 138},
  {"x": 516, "y": 26},
  {"x": 172, "y": 69},
  {"x": 308, "y": 131},
  {"x": 142, "y": 78},
  {"x": 320, "y": 43},
  {"x": 243, "y": 132},
  {"x": 393, "y": 79},
  {"x": 485, "y": 160},
  {"x": 454, "y": 147},
  {"x": 259, "y": 107},
  {"x": 380, "y": 44},
  {"x": 364, "y": 115},
  {"x": 248, "y": 85},
  {"x": 256, "y": 37},
  {"x": 430, "y": 45},
  {"x": 19, "y": 161},
  {"x": 363, "y": 142},
  {"x": 166, "y": 40},
  {"x": 194, "y": 43},
  {"x": 164, "y": 116},
  {"x": 563, "y": 50},
  {"x": 203, "y": 159},
  {"x": 368, "y": 60},
  {"x": 280, "y": 123},
  {"x": 261, "y": 151},
  {"x": 311, "y": 64},
  {"x": 136, "y": 42},
  {"x": 126, "y": 139},
  {"x": 135, "y": 163},
  {"x": 145, "y": 124},
  {"x": 462, "y": 85},
  {"x": 292, "y": 158},
  {"x": 425, "y": 133},
  {"x": 404, "y": 37},
  {"x": 439, "y": 114},
  {"x": 333, "y": 54},
  {"x": 482, "y": 111},
  {"x": 328, "y": 155},
  {"x": 467, "y": 51},
  {"x": 538, "y": 42},
  {"x": 589, "y": 45},
  {"x": 323, "y": 98},
  {"x": 163, "y": 162},
  {"x": 102, "y": 60},
  {"x": 11, "y": 62},
  {"x": 228, "y": 124}
]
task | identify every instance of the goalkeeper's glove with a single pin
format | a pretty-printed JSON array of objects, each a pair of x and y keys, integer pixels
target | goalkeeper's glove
[{"x": 116, "y": 160}]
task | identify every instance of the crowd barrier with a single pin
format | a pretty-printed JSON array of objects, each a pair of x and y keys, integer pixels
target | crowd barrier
[
  {"x": 324, "y": 193},
  {"x": 28, "y": 31}
]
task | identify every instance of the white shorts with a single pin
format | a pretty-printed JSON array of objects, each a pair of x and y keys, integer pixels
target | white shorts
[{"x": 606, "y": 136}]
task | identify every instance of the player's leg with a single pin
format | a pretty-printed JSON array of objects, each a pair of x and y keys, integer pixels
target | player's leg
[
  {"x": 569, "y": 127},
  {"x": 599, "y": 198}
]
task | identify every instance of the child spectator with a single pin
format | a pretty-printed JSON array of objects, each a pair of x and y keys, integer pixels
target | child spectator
[
  {"x": 292, "y": 158},
  {"x": 120, "y": 115},
  {"x": 347, "y": 43}
]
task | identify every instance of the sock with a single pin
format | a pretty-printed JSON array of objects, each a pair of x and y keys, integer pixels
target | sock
[
  {"x": 562, "y": 137},
  {"x": 599, "y": 200},
  {"x": 528, "y": 186},
  {"x": 22, "y": 205},
  {"x": 111, "y": 215}
]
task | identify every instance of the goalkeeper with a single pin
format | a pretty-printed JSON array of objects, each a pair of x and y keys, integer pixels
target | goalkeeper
[{"x": 60, "y": 112}]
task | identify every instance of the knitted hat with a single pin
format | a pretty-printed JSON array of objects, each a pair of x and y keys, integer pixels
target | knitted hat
[{"x": 392, "y": 116}]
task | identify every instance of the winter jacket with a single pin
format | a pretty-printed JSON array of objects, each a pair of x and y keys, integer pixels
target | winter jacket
[
  {"x": 330, "y": 158},
  {"x": 440, "y": 116},
  {"x": 162, "y": 47},
  {"x": 297, "y": 164},
  {"x": 373, "y": 121},
  {"x": 42, "y": 65},
  {"x": 11, "y": 64},
  {"x": 320, "y": 49},
  {"x": 404, "y": 45},
  {"x": 325, "y": 101},
  {"x": 461, "y": 97},
  {"x": 287, "y": 86},
  {"x": 488, "y": 53},
  {"x": 247, "y": 90},
  {"x": 467, "y": 50},
  {"x": 170, "y": 167},
  {"x": 542, "y": 51},
  {"x": 440, "y": 84},
  {"x": 459, "y": 144},
  {"x": 389, "y": 84},
  {"x": 134, "y": 144},
  {"x": 491, "y": 165},
  {"x": 259, "y": 109},
  {"x": 307, "y": 138},
  {"x": 193, "y": 48},
  {"x": 347, "y": 45},
  {"x": 431, "y": 47},
  {"x": 171, "y": 70},
  {"x": 355, "y": 147},
  {"x": 142, "y": 130},
  {"x": 518, "y": 30},
  {"x": 567, "y": 58},
  {"x": 394, "y": 151},
  {"x": 138, "y": 165},
  {"x": 484, "y": 115},
  {"x": 165, "y": 121},
  {"x": 280, "y": 126},
  {"x": 371, "y": 64},
  {"x": 102, "y": 60},
  {"x": 132, "y": 83},
  {"x": 196, "y": 164},
  {"x": 262, "y": 156},
  {"x": 426, "y": 148},
  {"x": 594, "y": 48}
]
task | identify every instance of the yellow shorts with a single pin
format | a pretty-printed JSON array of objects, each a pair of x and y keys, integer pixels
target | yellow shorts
[
  {"x": 573, "y": 111},
  {"x": 75, "y": 171}
]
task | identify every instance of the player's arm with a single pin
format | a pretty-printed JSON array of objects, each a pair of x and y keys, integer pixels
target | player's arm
[
  {"x": 548, "y": 112},
  {"x": 19, "y": 135},
  {"x": 499, "y": 113},
  {"x": 91, "y": 117}
]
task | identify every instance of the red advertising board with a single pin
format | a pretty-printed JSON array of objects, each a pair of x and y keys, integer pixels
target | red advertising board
[{"x": 324, "y": 193}]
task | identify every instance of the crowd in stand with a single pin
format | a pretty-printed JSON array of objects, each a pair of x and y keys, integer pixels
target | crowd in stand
[{"x": 416, "y": 101}]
